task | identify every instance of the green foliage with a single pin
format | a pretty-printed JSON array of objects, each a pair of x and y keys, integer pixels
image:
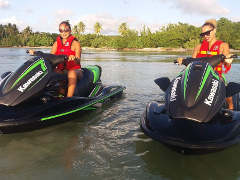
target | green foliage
[
  {"x": 45, "y": 40},
  {"x": 75, "y": 29},
  {"x": 97, "y": 27},
  {"x": 117, "y": 42},
  {"x": 100, "y": 41},
  {"x": 81, "y": 27},
  {"x": 123, "y": 28},
  {"x": 86, "y": 40},
  {"x": 173, "y": 35},
  {"x": 225, "y": 30},
  {"x": 236, "y": 44},
  {"x": 10, "y": 41},
  {"x": 191, "y": 43},
  {"x": 137, "y": 43},
  {"x": 40, "y": 40}
]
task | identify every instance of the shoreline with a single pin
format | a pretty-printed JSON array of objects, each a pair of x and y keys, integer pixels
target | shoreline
[{"x": 159, "y": 49}]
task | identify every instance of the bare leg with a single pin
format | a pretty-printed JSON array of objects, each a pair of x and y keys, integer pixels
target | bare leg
[
  {"x": 229, "y": 100},
  {"x": 230, "y": 103},
  {"x": 62, "y": 89},
  {"x": 74, "y": 75}
]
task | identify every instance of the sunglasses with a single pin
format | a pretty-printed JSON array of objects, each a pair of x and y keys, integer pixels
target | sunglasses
[
  {"x": 207, "y": 33},
  {"x": 64, "y": 30}
]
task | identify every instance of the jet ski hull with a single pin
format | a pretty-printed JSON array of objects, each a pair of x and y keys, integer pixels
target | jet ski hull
[
  {"x": 29, "y": 97},
  {"x": 185, "y": 135},
  {"x": 27, "y": 117}
]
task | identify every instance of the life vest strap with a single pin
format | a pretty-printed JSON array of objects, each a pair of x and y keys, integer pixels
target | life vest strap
[{"x": 208, "y": 52}]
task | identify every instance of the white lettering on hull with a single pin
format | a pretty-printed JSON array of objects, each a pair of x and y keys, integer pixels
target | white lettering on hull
[
  {"x": 174, "y": 88},
  {"x": 213, "y": 90},
  {"x": 33, "y": 78}
]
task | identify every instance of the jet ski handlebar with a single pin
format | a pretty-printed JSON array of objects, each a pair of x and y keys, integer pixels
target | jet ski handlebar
[
  {"x": 55, "y": 59},
  {"x": 214, "y": 60}
]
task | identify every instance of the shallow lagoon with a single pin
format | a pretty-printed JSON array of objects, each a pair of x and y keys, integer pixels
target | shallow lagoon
[{"x": 108, "y": 143}]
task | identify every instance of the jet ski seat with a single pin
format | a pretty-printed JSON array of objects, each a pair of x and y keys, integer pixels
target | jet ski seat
[
  {"x": 235, "y": 99},
  {"x": 85, "y": 83}
]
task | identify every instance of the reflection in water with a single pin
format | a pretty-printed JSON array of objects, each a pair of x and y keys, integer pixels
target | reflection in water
[
  {"x": 168, "y": 164},
  {"x": 108, "y": 143}
]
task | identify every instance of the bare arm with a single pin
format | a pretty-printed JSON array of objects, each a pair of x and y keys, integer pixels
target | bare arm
[
  {"x": 224, "y": 49},
  {"x": 54, "y": 48},
  {"x": 77, "y": 48},
  {"x": 194, "y": 55},
  {"x": 195, "y": 51}
]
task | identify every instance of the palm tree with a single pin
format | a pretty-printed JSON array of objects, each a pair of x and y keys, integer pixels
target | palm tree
[
  {"x": 26, "y": 34},
  {"x": 15, "y": 29},
  {"x": 1, "y": 30},
  {"x": 123, "y": 28},
  {"x": 97, "y": 27},
  {"x": 81, "y": 27},
  {"x": 75, "y": 29},
  {"x": 8, "y": 29}
]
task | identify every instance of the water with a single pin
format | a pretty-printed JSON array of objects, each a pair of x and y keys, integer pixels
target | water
[{"x": 108, "y": 143}]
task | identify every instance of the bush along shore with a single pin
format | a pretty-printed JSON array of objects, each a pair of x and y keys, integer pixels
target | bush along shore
[
  {"x": 173, "y": 37},
  {"x": 159, "y": 49}
]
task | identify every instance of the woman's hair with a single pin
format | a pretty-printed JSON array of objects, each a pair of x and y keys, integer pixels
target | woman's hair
[
  {"x": 66, "y": 23},
  {"x": 210, "y": 22}
]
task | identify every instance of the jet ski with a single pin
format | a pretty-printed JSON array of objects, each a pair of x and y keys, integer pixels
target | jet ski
[
  {"x": 194, "y": 117},
  {"x": 29, "y": 96}
]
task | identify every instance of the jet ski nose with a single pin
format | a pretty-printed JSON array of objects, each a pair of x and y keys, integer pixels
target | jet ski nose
[{"x": 197, "y": 67}]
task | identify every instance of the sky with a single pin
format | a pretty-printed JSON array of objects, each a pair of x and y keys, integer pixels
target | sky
[{"x": 46, "y": 15}]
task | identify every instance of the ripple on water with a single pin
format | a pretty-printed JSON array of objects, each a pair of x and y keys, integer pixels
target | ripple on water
[{"x": 107, "y": 143}]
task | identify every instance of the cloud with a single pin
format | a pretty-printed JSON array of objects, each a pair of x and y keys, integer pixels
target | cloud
[
  {"x": 110, "y": 23},
  {"x": 202, "y": 7},
  {"x": 62, "y": 15},
  {"x": 152, "y": 26},
  {"x": 12, "y": 20},
  {"x": 126, "y": 2},
  {"x": 43, "y": 26},
  {"x": 28, "y": 10},
  {"x": 235, "y": 18},
  {"x": 5, "y": 4},
  {"x": 40, "y": 25}
]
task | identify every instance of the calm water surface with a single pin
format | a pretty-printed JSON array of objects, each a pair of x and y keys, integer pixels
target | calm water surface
[{"x": 108, "y": 143}]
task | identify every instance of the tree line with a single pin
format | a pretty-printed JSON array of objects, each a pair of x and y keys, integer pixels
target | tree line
[{"x": 180, "y": 35}]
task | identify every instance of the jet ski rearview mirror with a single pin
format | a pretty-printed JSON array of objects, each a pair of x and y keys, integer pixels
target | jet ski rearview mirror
[{"x": 163, "y": 83}]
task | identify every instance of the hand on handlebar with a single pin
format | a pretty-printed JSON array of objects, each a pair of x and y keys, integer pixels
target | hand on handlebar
[
  {"x": 71, "y": 58},
  {"x": 179, "y": 60},
  {"x": 229, "y": 58},
  {"x": 74, "y": 58},
  {"x": 31, "y": 51}
]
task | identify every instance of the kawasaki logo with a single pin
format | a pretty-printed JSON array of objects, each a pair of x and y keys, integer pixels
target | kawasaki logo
[
  {"x": 33, "y": 78},
  {"x": 174, "y": 88},
  {"x": 213, "y": 90}
]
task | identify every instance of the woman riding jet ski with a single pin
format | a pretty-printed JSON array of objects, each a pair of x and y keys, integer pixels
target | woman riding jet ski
[
  {"x": 29, "y": 96},
  {"x": 194, "y": 115}
]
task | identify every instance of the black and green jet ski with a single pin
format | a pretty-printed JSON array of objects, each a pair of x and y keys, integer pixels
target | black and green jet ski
[
  {"x": 194, "y": 116},
  {"x": 29, "y": 97}
]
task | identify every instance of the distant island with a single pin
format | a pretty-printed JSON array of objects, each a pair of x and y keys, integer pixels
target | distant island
[{"x": 173, "y": 37}]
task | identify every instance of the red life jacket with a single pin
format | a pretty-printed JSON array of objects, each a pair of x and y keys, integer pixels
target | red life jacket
[
  {"x": 66, "y": 50},
  {"x": 214, "y": 50}
]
